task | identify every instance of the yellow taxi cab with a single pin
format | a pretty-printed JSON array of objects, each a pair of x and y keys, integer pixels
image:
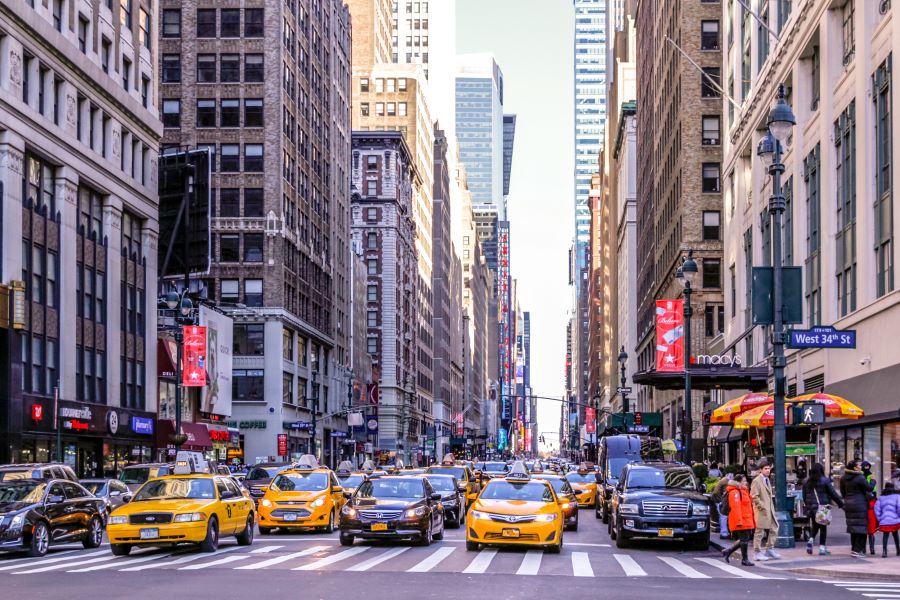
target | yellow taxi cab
[
  {"x": 192, "y": 505},
  {"x": 350, "y": 478},
  {"x": 584, "y": 483},
  {"x": 517, "y": 510},
  {"x": 468, "y": 481},
  {"x": 305, "y": 496}
]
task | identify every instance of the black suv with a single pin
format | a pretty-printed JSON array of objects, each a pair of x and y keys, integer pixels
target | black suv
[
  {"x": 41, "y": 471},
  {"x": 393, "y": 507},
  {"x": 659, "y": 500}
]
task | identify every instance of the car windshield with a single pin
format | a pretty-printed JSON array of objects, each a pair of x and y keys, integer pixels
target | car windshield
[
  {"x": 615, "y": 467},
  {"x": 15, "y": 475},
  {"x": 29, "y": 491},
  {"x": 579, "y": 478},
  {"x": 442, "y": 484},
  {"x": 300, "y": 482},
  {"x": 532, "y": 491},
  {"x": 351, "y": 481},
  {"x": 97, "y": 488},
  {"x": 175, "y": 489},
  {"x": 558, "y": 485},
  {"x": 458, "y": 472},
  {"x": 391, "y": 488},
  {"x": 676, "y": 479},
  {"x": 141, "y": 474},
  {"x": 495, "y": 467}
]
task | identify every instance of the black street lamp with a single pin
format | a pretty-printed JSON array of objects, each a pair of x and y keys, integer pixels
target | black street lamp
[
  {"x": 686, "y": 274},
  {"x": 184, "y": 315},
  {"x": 595, "y": 404},
  {"x": 623, "y": 360},
  {"x": 781, "y": 122}
]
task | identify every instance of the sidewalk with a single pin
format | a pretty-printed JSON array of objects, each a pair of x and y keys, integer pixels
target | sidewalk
[{"x": 839, "y": 564}]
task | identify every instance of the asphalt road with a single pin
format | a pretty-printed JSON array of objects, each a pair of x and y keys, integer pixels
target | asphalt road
[{"x": 316, "y": 566}]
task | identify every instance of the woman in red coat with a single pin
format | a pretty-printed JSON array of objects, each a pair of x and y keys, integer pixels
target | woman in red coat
[{"x": 741, "y": 521}]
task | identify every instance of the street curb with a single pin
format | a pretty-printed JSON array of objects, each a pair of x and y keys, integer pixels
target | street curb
[{"x": 833, "y": 574}]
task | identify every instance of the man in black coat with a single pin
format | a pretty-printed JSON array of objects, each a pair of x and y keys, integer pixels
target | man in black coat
[{"x": 856, "y": 492}]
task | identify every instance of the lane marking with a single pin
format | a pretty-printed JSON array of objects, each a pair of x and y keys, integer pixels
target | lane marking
[
  {"x": 481, "y": 562},
  {"x": 531, "y": 563},
  {"x": 178, "y": 561},
  {"x": 71, "y": 564},
  {"x": 629, "y": 565},
  {"x": 432, "y": 561},
  {"x": 863, "y": 582},
  {"x": 33, "y": 559},
  {"x": 730, "y": 569},
  {"x": 46, "y": 561},
  {"x": 581, "y": 565},
  {"x": 265, "y": 549},
  {"x": 882, "y": 595},
  {"x": 330, "y": 560},
  {"x": 221, "y": 561},
  {"x": 372, "y": 562},
  {"x": 683, "y": 568},
  {"x": 587, "y": 545},
  {"x": 112, "y": 565},
  {"x": 281, "y": 559}
]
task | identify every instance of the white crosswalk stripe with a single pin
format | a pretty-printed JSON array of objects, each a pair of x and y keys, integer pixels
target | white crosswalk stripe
[
  {"x": 531, "y": 563},
  {"x": 330, "y": 560},
  {"x": 221, "y": 561},
  {"x": 481, "y": 562},
  {"x": 880, "y": 590},
  {"x": 66, "y": 565},
  {"x": 14, "y": 561},
  {"x": 112, "y": 565},
  {"x": 265, "y": 549},
  {"x": 46, "y": 561},
  {"x": 178, "y": 561},
  {"x": 581, "y": 565},
  {"x": 730, "y": 568},
  {"x": 285, "y": 558},
  {"x": 373, "y": 562},
  {"x": 629, "y": 565},
  {"x": 683, "y": 568},
  {"x": 432, "y": 561}
]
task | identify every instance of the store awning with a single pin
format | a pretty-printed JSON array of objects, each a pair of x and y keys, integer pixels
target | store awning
[
  {"x": 725, "y": 433},
  {"x": 877, "y": 393},
  {"x": 197, "y": 434},
  {"x": 708, "y": 377},
  {"x": 166, "y": 353}
]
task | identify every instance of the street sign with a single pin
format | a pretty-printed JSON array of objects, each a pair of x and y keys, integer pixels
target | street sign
[
  {"x": 639, "y": 429},
  {"x": 303, "y": 425},
  {"x": 762, "y": 302},
  {"x": 822, "y": 337},
  {"x": 338, "y": 434},
  {"x": 624, "y": 390}
]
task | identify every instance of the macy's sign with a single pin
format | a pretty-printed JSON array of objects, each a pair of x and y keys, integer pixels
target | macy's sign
[{"x": 717, "y": 359}]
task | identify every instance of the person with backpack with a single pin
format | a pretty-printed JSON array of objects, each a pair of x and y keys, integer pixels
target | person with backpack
[
  {"x": 738, "y": 506},
  {"x": 872, "y": 520},
  {"x": 856, "y": 492},
  {"x": 818, "y": 495},
  {"x": 887, "y": 510},
  {"x": 718, "y": 495}
]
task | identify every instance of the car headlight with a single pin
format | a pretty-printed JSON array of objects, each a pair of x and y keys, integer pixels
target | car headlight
[
  {"x": 118, "y": 520},
  {"x": 349, "y": 511},
  {"x": 629, "y": 509},
  {"x": 189, "y": 517},
  {"x": 701, "y": 510},
  {"x": 565, "y": 506},
  {"x": 266, "y": 502},
  {"x": 318, "y": 502},
  {"x": 477, "y": 514},
  {"x": 548, "y": 518},
  {"x": 414, "y": 512}
]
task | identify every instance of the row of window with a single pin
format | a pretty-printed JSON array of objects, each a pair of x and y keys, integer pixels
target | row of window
[
  {"x": 229, "y": 157},
  {"x": 227, "y": 24},
  {"x": 398, "y": 109},
  {"x": 389, "y": 85},
  {"x": 212, "y": 68},
  {"x": 230, "y": 247},
  {"x": 229, "y": 112},
  {"x": 229, "y": 204}
]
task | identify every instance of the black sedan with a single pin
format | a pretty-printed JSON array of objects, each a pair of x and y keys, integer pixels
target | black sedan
[
  {"x": 659, "y": 500},
  {"x": 452, "y": 499},
  {"x": 393, "y": 507},
  {"x": 35, "y": 514},
  {"x": 113, "y": 492}
]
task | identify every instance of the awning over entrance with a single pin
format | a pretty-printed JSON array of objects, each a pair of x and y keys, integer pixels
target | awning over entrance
[
  {"x": 708, "y": 377},
  {"x": 725, "y": 433},
  {"x": 197, "y": 434},
  {"x": 165, "y": 358}
]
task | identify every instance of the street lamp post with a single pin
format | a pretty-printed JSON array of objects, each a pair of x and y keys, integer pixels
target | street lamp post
[
  {"x": 686, "y": 275},
  {"x": 623, "y": 359},
  {"x": 183, "y": 316},
  {"x": 595, "y": 404},
  {"x": 315, "y": 409},
  {"x": 780, "y": 123}
]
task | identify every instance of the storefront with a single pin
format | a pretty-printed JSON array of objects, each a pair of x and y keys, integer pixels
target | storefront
[
  {"x": 96, "y": 440},
  {"x": 198, "y": 439}
]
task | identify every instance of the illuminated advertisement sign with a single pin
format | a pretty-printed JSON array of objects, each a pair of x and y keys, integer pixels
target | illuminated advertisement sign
[
  {"x": 669, "y": 335},
  {"x": 194, "y": 373},
  {"x": 505, "y": 354}
]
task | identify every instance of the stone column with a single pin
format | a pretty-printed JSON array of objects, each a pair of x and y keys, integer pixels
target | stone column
[
  {"x": 66, "y": 191},
  {"x": 112, "y": 229},
  {"x": 12, "y": 169},
  {"x": 149, "y": 243}
]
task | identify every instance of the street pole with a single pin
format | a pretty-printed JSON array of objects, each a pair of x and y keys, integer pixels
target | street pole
[
  {"x": 686, "y": 274},
  {"x": 623, "y": 358},
  {"x": 179, "y": 341},
  {"x": 59, "y": 452},
  {"x": 315, "y": 409}
]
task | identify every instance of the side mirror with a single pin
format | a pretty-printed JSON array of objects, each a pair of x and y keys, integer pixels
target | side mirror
[
  {"x": 701, "y": 487},
  {"x": 477, "y": 473},
  {"x": 55, "y": 499},
  {"x": 435, "y": 496},
  {"x": 114, "y": 493},
  {"x": 336, "y": 489},
  {"x": 348, "y": 494},
  {"x": 126, "y": 498},
  {"x": 620, "y": 486}
]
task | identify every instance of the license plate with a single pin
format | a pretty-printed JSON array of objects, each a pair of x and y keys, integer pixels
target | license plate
[
  {"x": 290, "y": 516},
  {"x": 379, "y": 526},
  {"x": 510, "y": 533},
  {"x": 666, "y": 533},
  {"x": 149, "y": 534}
]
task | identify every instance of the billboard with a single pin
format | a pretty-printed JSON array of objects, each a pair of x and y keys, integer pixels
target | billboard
[
  {"x": 504, "y": 296},
  {"x": 670, "y": 335},
  {"x": 194, "y": 372},
  {"x": 216, "y": 397}
]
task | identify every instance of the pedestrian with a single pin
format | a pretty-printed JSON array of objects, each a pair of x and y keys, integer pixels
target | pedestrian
[
  {"x": 856, "y": 492},
  {"x": 819, "y": 493},
  {"x": 718, "y": 494},
  {"x": 800, "y": 471},
  {"x": 764, "y": 513},
  {"x": 714, "y": 470},
  {"x": 887, "y": 511},
  {"x": 740, "y": 518},
  {"x": 872, "y": 521}
]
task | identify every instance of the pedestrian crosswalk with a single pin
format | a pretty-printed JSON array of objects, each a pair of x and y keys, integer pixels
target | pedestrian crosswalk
[
  {"x": 871, "y": 589},
  {"x": 447, "y": 557}
]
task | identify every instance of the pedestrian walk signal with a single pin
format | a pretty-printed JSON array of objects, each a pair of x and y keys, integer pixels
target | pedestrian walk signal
[{"x": 808, "y": 413}]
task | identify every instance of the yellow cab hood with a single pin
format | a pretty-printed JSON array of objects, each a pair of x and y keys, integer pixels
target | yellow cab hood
[
  {"x": 174, "y": 505},
  {"x": 308, "y": 496},
  {"x": 582, "y": 486},
  {"x": 512, "y": 507}
]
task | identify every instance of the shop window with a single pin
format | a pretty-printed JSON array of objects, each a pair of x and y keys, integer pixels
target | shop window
[{"x": 247, "y": 385}]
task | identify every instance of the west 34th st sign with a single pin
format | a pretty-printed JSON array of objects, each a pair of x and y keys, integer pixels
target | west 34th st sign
[{"x": 822, "y": 337}]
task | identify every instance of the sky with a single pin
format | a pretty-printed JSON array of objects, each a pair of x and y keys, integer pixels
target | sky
[{"x": 532, "y": 42}]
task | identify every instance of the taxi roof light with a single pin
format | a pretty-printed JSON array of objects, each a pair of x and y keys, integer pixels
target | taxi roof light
[
  {"x": 187, "y": 462},
  {"x": 345, "y": 468},
  {"x": 518, "y": 472},
  {"x": 307, "y": 462},
  {"x": 368, "y": 466},
  {"x": 448, "y": 459}
]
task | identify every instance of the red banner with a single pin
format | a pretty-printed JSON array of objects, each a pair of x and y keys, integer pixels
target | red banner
[
  {"x": 282, "y": 444},
  {"x": 670, "y": 335},
  {"x": 194, "y": 370},
  {"x": 589, "y": 422}
]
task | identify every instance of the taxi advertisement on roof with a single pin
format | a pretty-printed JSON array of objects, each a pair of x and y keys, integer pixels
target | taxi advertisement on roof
[{"x": 670, "y": 335}]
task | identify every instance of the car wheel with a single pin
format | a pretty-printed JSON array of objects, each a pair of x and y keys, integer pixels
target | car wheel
[
  {"x": 427, "y": 537},
  {"x": 575, "y": 524},
  {"x": 120, "y": 549},
  {"x": 211, "y": 542},
  {"x": 265, "y": 530},
  {"x": 610, "y": 529},
  {"x": 604, "y": 512},
  {"x": 245, "y": 538},
  {"x": 346, "y": 540},
  {"x": 40, "y": 540},
  {"x": 94, "y": 536},
  {"x": 330, "y": 527},
  {"x": 440, "y": 534},
  {"x": 472, "y": 546},
  {"x": 621, "y": 538}
]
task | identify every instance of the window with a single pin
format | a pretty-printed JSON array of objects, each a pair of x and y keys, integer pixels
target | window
[
  {"x": 371, "y": 187},
  {"x": 231, "y": 158},
  {"x": 171, "y": 68},
  {"x": 815, "y": 80},
  {"x": 762, "y": 35},
  {"x": 709, "y": 35},
  {"x": 253, "y": 68},
  {"x": 813, "y": 237},
  {"x": 371, "y": 318},
  {"x": 372, "y": 293},
  {"x": 371, "y": 162},
  {"x": 733, "y": 295},
  {"x": 105, "y": 50},
  {"x": 712, "y": 273},
  {"x": 253, "y": 247},
  {"x": 125, "y": 13},
  {"x": 364, "y": 84},
  {"x": 884, "y": 209},
  {"x": 379, "y": 85},
  {"x": 253, "y": 158},
  {"x": 787, "y": 224},
  {"x": 401, "y": 84},
  {"x": 253, "y": 202},
  {"x": 248, "y": 385},
  {"x": 372, "y": 345},
  {"x": 126, "y": 72},
  {"x": 229, "y": 202},
  {"x": 82, "y": 34},
  {"x": 249, "y": 339},
  {"x": 253, "y": 112},
  {"x": 711, "y": 180},
  {"x": 37, "y": 274},
  {"x": 171, "y": 113},
  {"x": 230, "y": 113},
  {"x": 206, "y": 113},
  {"x": 230, "y": 68},
  {"x": 371, "y": 215},
  {"x": 287, "y": 344},
  {"x": 849, "y": 43},
  {"x": 229, "y": 247},
  {"x": 711, "y": 129},
  {"x": 372, "y": 266},
  {"x": 401, "y": 109},
  {"x": 206, "y": 22},
  {"x": 364, "y": 109},
  {"x": 710, "y": 81},
  {"x": 230, "y": 291},
  {"x": 845, "y": 240},
  {"x": 372, "y": 241},
  {"x": 287, "y": 388},
  {"x": 145, "y": 99},
  {"x": 206, "y": 68},
  {"x": 254, "y": 22},
  {"x": 144, "y": 28},
  {"x": 50, "y": 298},
  {"x": 230, "y": 26},
  {"x": 171, "y": 27},
  {"x": 711, "y": 225},
  {"x": 391, "y": 108},
  {"x": 253, "y": 292}
]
